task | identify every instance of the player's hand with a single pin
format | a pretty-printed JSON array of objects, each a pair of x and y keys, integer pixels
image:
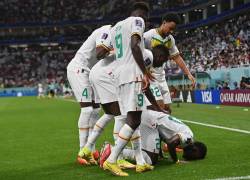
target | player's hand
[
  {"x": 146, "y": 80},
  {"x": 150, "y": 76},
  {"x": 145, "y": 83},
  {"x": 191, "y": 78}
]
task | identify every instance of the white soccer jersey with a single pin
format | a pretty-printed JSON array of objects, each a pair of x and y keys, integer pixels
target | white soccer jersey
[
  {"x": 121, "y": 33},
  {"x": 150, "y": 138},
  {"x": 152, "y": 38},
  {"x": 79, "y": 67},
  {"x": 166, "y": 125},
  {"x": 87, "y": 52}
]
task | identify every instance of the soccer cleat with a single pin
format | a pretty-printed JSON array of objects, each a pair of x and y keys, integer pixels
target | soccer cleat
[
  {"x": 143, "y": 168},
  {"x": 96, "y": 154},
  {"x": 82, "y": 161},
  {"x": 123, "y": 164},
  {"x": 114, "y": 169},
  {"x": 105, "y": 152},
  {"x": 86, "y": 154}
]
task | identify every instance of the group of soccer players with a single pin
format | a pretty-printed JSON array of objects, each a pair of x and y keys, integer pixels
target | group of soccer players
[{"x": 122, "y": 68}]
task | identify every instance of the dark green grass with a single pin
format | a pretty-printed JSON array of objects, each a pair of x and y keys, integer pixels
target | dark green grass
[{"x": 39, "y": 140}]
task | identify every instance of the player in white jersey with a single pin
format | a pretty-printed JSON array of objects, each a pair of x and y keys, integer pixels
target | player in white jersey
[
  {"x": 162, "y": 35},
  {"x": 133, "y": 79},
  {"x": 155, "y": 126},
  {"x": 103, "y": 82},
  {"x": 78, "y": 76},
  {"x": 40, "y": 91}
]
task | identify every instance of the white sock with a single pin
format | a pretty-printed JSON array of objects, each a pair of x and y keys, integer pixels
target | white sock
[
  {"x": 119, "y": 123},
  {"x": 124, "y": 136},
  {"x": 93, "y": 119},
  {"x": 128, "y": 154},
  {"x": 98, "y": 128},
  {"x": 83, "y": 125},
  {"x": 136, "y": 144}
]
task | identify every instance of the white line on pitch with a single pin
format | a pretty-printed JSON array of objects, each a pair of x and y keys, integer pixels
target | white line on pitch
[
  {"x": 216, "y": 126},
  {"x": 232, "y": 178}
]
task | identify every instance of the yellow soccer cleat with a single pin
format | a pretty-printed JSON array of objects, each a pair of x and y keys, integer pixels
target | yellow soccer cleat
[
  {"x": 123, "y": 164},
  {"x": 143, "y": 168},
  {"x": 86, "y": 154},
  {"x": 114, "y": 169}
]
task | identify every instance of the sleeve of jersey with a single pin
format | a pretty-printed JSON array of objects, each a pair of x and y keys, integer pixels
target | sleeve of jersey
[
  {"x": 148, "y": 58},
  {"x": 104, "y": 40},
  {"x": 147, "y": 39},
  {"x": 173, "y": 51},
  {"x": 138, "y": 26}
]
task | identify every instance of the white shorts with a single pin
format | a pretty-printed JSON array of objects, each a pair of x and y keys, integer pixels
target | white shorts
[
  {"x": 131, "y": 97},
  {"x": 78, "y": 78},
  {"x": 150, "y": 140},
  {"x": 155, "y": 89},
  {"x": 163, "y": 87},
  {"x": 103, "y": 83},
  {"x": 168, "y": 126}
]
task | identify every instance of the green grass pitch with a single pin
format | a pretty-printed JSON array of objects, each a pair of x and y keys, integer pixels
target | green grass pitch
[{"x": 39, "y": 140}]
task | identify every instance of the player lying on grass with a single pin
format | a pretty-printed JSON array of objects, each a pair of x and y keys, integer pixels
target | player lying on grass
[{"x": 155, "y": 126}]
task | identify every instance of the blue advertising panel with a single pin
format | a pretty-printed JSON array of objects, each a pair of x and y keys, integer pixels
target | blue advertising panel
[
  {"x": 13, "y": 92},
  {"x": 207, "y": 96}
]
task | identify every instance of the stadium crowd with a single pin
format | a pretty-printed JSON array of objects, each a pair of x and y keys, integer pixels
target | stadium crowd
[
  {"x": 30, "y": 11},
  {"x": 224, "y": 45},
  {"x": 218, "y": 46},
  {"x": 26, "y": 67}
]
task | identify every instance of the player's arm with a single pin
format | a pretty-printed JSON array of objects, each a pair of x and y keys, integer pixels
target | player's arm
[
  {"x": 103, "y": 45},
  {"x": 137, "y": 53},
  {"x": 172, "y": 144},
  {"x": 101, "y": 52},
  {"x": 175, "y": 55},
  {"x": 180, "y": 62}
]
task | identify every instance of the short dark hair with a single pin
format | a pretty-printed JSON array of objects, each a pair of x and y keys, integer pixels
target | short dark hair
[
  {"x": 140, "y": 5},
  {"x": 172, "y": 17},
  {"x": 195, "y": 151},
  {"x": 162, "y": 48}
]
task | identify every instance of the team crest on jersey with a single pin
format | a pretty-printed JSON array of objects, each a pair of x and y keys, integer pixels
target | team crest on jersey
[
  {"x": 104, "y": 36},
  {"x": 138, "y": 22},
  {"x": 147, "y": 62}
]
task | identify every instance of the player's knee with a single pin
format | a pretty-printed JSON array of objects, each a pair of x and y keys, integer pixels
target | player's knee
[
  {"x": 85, "y": 114},
  {"x": 94, "y": 117}
]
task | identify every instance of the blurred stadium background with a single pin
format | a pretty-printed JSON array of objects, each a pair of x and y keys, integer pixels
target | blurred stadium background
[{"x": 38, "y": 38}]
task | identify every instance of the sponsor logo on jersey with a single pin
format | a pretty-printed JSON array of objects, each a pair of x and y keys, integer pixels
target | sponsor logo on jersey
[
  {"x": 138, "y": 22},
  {"x": 104, "y": 36},
  {"x": 147, "y": 62}
]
